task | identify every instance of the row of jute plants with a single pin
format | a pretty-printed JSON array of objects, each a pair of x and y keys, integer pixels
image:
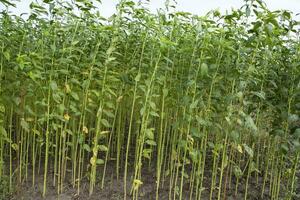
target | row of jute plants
[{"x": 209, "y": 104}]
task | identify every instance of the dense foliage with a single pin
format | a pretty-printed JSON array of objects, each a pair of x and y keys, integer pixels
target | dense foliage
[{"x": 192, "y": 97}]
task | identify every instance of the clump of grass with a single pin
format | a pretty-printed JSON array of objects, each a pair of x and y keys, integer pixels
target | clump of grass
[{"x": 5, "y": 190}]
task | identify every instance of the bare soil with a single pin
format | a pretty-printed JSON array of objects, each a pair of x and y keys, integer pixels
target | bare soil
[{"x": 113, "y": 188}]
